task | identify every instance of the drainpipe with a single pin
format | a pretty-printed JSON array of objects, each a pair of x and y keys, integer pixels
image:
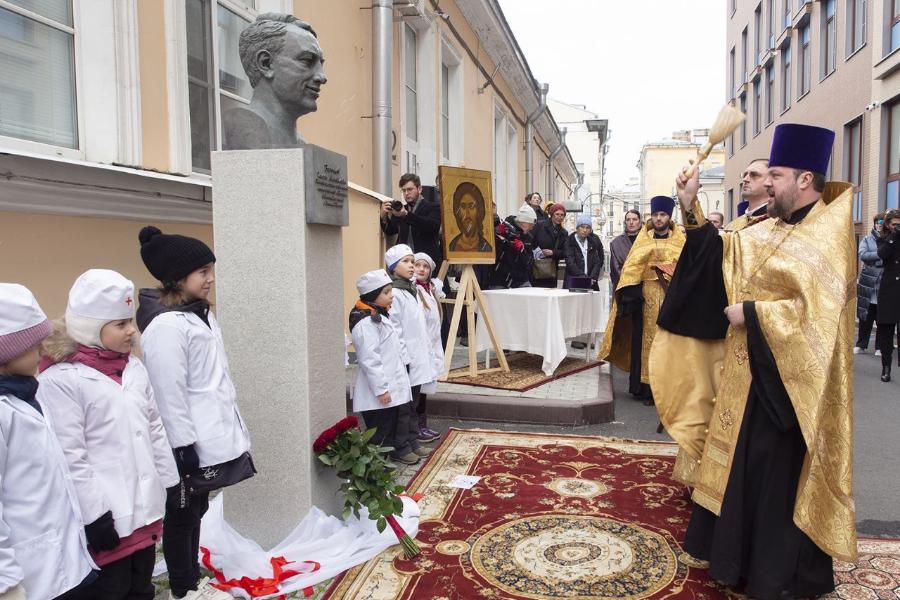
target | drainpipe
[
  {"x": 529, "y": 138},
  {"x": 382, "y": 61},
  {"x": 553, "y": 155}
]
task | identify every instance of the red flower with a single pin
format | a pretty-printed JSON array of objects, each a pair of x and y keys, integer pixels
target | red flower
[
  {"x": 347, "y": 423},
  {"x": 325, "y": 439}
]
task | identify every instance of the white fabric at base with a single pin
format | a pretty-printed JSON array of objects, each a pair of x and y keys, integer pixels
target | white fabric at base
[
  {"x": 540, "y": 320},
  {"x": 336, "y": 545}
]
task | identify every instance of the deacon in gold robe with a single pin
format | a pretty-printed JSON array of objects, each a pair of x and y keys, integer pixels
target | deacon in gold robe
[
  {"x": 639, "y": 294},
  {"x": 698, "y": 392},
  {"x": 773, "y": 486}
]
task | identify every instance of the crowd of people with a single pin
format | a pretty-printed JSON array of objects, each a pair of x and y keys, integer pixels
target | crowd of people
[{"x": 104, "y": 454}]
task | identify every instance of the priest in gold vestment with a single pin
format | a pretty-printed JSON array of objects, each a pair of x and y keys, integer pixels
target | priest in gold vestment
[
  {"x": 772, "y": 483},
  {"x": 639, "y": 294}
]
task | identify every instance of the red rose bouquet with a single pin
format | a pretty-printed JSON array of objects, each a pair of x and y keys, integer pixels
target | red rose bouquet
[{"x": 368, "y": 474}]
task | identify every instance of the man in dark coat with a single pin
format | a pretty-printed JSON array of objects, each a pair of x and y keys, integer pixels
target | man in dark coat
[
  {"x": 584, "y": 253},
  {"x": 869, "y": 282},
  {"x": 550, "y": 237},
  {"x": 889, "y": 292},
  {"x": 621, "y": 245},
  {"x": 418, "y": 223}
]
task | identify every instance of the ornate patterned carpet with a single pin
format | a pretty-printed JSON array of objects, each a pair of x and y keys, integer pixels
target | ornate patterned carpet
[
  {"x": 562, "y": 517},
  {"x": 524, "y": 373}
]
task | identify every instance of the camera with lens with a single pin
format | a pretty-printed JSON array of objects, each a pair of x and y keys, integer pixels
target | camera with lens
[{"x": 397, "y": 205}]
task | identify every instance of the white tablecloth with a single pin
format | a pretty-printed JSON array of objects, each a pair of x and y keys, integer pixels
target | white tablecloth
[{"x": 540, "y": 320}]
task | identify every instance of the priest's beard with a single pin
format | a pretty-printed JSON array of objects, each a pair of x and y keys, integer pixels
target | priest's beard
[{"x": 781, "y": 205}]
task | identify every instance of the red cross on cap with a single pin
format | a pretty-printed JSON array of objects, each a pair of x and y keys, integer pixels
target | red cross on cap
[{"x": 129, "y": 301}]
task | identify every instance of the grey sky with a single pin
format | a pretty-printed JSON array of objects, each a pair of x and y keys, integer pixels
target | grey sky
[{"x": 649, "y": 66}]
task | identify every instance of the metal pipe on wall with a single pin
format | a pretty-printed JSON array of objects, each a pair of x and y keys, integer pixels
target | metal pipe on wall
[
  {"x": 550, "y": 159},
  {"x": 529, "y": 138},
  {"x": 382, "y": 63}
]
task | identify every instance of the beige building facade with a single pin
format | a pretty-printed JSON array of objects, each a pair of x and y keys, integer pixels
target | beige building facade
[
  {"x": 109, "y": 110},
  {"x": 660, "y": 162},
  {"x": 832, "y": 63}
]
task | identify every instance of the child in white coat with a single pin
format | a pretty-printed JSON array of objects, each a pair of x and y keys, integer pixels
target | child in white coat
[
  {"x": 107, "y": 422},
  {"x": 185, "y": 355},
  {"x": 382, "y": 385},
  {"x": 430, "y": 292},
  {"x": 43, "y": 550},
  {"x": 408, "y": 317}
]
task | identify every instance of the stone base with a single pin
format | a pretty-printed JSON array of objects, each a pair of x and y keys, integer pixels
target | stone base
[{"x": 517, "y": 409}]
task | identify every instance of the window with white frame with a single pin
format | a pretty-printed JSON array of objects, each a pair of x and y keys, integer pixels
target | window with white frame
[
  {"x": 451, "y": 105},
  {"x": 505, "y": 184},
  {"x": 216, "y": 79},
  {"x": 411, "y": 99},
  {"x": 37, "y": 72},
  {"x": 805, "y": 72}
]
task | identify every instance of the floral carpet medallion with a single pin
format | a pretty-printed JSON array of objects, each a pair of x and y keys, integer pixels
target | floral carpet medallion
[{"x": 557, "y": 516}]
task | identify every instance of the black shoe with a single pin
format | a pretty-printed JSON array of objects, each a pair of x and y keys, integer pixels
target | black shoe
[
  {"x": 579, "y": 345},
  {"x": 886, "y": 373},
  {"x": 464, "y": 342}
]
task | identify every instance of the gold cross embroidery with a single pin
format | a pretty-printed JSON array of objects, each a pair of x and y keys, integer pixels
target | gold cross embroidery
[
  {"x": 740, "y": 354},
  {"x": 726, "y": 419}
]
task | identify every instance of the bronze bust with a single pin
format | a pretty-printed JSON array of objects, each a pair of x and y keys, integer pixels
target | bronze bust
[{"x": 285, "y": 64}]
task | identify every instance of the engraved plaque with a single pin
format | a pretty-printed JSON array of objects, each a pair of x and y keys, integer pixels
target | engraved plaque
[{"x": 325, "y": 186}]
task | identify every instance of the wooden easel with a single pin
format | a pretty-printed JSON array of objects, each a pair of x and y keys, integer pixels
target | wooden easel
[{"x": 468, "y": 293}]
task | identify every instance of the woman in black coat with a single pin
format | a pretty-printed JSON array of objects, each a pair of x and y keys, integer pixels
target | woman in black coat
[
  {"x": 889, "y": 293},
  {"x": 584, "y": 242},
  {"x": 550, "y": 236}
]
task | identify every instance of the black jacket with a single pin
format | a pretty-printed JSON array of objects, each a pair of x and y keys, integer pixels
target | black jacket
[
  {"x": 514, "y": 258},
  {"x": 889, "y": 292},
  {"x": 549, "y": 236},
  {"x": 421, "y": 229},
  {"x": 575, "y": 259}
]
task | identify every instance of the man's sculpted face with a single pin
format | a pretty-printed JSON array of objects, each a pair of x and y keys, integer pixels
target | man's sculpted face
[
  {"x": 298, "y": 71},
  {"x": 467, "y": 216}
]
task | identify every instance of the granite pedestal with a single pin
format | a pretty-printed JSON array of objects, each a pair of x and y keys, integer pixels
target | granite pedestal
[{"x": 279, "y": 298}]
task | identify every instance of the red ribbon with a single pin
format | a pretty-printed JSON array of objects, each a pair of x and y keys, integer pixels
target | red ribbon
[
  {"x": 398, "y": 530},
  {"x": 260, "y": 586}
]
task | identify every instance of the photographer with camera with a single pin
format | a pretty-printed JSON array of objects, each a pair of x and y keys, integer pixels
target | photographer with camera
[
  {"x": 415, "y": 220},
  {"x": 514, "y": 251}
]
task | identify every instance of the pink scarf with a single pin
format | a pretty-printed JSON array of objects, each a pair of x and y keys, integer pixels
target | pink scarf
[{"x": 112, "y": 364}]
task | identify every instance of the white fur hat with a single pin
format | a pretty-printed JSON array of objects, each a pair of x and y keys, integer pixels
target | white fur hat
[
  {"x": 395, "y": 253},
  {"x": 23, "y": 324},
  {"x": 97, "y": 297},
  {"x": 371, "y": 281},
  {"x": 526, "y": 215},
  {"x": 422, "y": 256}
]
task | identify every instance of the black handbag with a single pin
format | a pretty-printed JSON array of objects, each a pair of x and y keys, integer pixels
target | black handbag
[{"x": 216, "y": 477}]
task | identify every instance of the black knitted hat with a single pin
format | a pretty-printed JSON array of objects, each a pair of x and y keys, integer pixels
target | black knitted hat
[{"x": 171, "y": 257}]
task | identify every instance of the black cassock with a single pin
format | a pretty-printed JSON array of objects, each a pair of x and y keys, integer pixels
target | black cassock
[{"x": 753, "y": 542}]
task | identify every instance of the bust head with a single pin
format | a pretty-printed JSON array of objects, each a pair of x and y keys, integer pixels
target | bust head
[{"x": 284, "y": 62}]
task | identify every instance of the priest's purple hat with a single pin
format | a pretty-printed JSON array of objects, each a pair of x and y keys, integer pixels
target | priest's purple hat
[
  {"x": 742, "y": 207},
  {"x": 662, "y": 203},
  {"x": 804, "y": 147}
]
